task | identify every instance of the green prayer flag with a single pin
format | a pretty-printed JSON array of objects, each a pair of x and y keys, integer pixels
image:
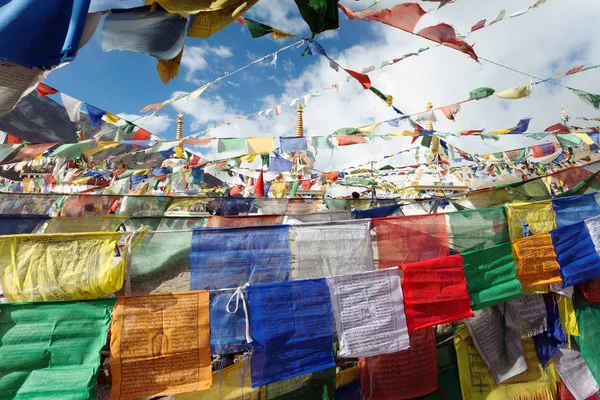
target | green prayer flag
[
  {"x": 126, "y": 174},
  {"x": 128, "y": 127},
  {"x": 426, "y": 141},
  {"x": 491, "y": 276},
  {"x": 294, "y": 188},
  {"x": 481, "y": 93},
  {"x": 232, "y": 144},
  {"x": 477, "y": 229},
  {"x": 145, "y": 206},
  {"x": 264, "y": 158},
  {"x": 51, "y": 350},
  {"x": 588, "y": 341},
  {"x": 589, "y": 98},
  {"x": 322, "y": 142},
  {"x": 567, "y": 140},
  {"x": 346, "y": 131},
  {"x": 534, "y": 189},
  {"x": 258, "y": 29},
  {"x": 448, "y": 379},
  {"x": 164, "y": 146},
  {"x": 72, "y": 150},
  {"x": 317, "y": 385},
  {"x": 6, "y": 149},
  {"x": 320, "y": 15},
  {"x": 337, "y": 204}
]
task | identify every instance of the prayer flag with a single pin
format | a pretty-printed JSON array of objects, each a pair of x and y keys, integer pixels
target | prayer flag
[
  {"x": 316, "y": 385},
  {"x": 43, "y": 90},
  {"x": 293, "y": 144},
  {"x": 535, "y": 261},
  {"x": 491, "y": 276},
  {"x": 532, "y": 218},
  {"x": 402, "y": 240},
  {"x": 29, "y": 152},
  {"x": 588, "y": 98},
  {"x": 363, "y": 79},
  {"x": 94, "y": 113},
  {"x": 60, "y": 266},
  {"x": 72, "y": 150},
  {"x": 575, "y": 252},
  {"x": 515, "y": 93},
  {"x": 292, "y": 328},
  {"x": 575, "y": 70},
  {"x": 317, "y": 252},
  {"x": 52, "y": 350},
  {"x": 17, "y": 224},
  {"x": 47, "y": 36},
  {"x": 575, "y": 374},
  {"x": 235, "y": 205},
  {"x": 72, "y": 106},
  {"x": 403, "y": 375},
  {"x": 280, "y": 164},
  {"x": 231, "y": 257},
  {"x": 450, "y": 111},
  {"x": 572, "y": 209},
  {"x": 216, "y": 221},
  {"x": 588, "y": 342},
  {"x": 260, "y": 145},
  {"x": 157, "y": 33},
  {"x": 111, "y": 118},
  {"x": 258, "y": 29},
  {"x": 548, "y": 342},
  {"x": 526, "y": 314},
  {"x": 141, "y": 134},
  {"x": 402, "y": 16},
  {"x": 108, "y": 223},
  {"x": 435, "y": 292},
  {"x": 350, "y": 140},
  {"x": 480, "y": 93},
  {"x": 369, "y": 313},
  {"x": 85, "y": 205},
  {"x": 478, "y": 25},
  {"x": 159, "y": 345},
  {"x": 445, "y": 34},
  {"x": 477, "y": 229},
  {"x": 233, "y": 144},
  {"x": 211, "y": 20},
  {"x": 319, "y": 16}
]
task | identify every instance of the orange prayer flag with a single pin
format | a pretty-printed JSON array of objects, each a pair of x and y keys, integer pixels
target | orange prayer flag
[
  {"x": 160, "y": 345},
  {"x": 43, "y": 90},
  {"x": 535, "y": 261},
  {"x": 403, "y": 16}
]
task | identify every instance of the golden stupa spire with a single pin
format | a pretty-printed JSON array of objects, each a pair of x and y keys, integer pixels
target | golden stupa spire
[
  {"x": 299, "y": 123},
  {"x": 179, "y": 136}
]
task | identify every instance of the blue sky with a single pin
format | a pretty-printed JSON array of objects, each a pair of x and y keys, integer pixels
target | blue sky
[{"x": 558, "y": 34}]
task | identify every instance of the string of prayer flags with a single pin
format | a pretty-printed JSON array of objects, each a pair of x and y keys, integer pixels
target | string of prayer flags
[
  {"x": 576, "y": 254},
  {"x": 292, "y": 330},
  {"x": 319, "y": 15},
  {"x": 575, "y": 374},
  {"x": 231, "y": 257},
  {"x": 403, "y": 375},
  {"x": 491, "y": 276},
  {"x": 159, "y": 345},
  {"x": 402, "y": 240},
  {"x": 498, "y": 345},
  {"x": 315, "y": 48},
  {"x": 476, "y": 382},
  {"x": 317, "y": 252},
  {"x": 316, "y": 385},
  {"x": 48, "y": 35},
  {"x": 588, "y": 98},
  {"x": 548, "y": 342},
  {"x": 515, "y": 93},
  {"x": 60, "y": 267},
  {"x": 535, "y": 261},
  {"x": 588, "y": 342},
  {"x": 526, "y": 219},
  {"x": 435, "y": 292},
  {"x": 477, "y": 229},
  {"x": 142, "y": 30},
  {"x": 369, "y": 313},
  {"x": 230, "y": 383},
  {"x": 52, "y": 349}
]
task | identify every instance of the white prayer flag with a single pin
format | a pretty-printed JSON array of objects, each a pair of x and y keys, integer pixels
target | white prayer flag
[
  {"x": 368, "y": 309},
  {"x": 575, "y": 373},
  {"x": 73, "y": 107}
]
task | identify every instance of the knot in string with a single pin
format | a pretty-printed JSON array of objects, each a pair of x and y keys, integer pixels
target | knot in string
[{"x": 239, "y": 295}]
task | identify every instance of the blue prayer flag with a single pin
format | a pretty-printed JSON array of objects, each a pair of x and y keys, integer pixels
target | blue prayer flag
[
  {"x": 315, "y": 48},
  {"x": 546, "y": 343},
  {"x": 293, "y": 144},
  {"x": 227, "y": 328},
  {"x": 292, "y": 330},
  {"x": 379, "y": 212},
  {"x": 231, "y": 257},
  {"x": 280, "y": 164},
  {"x": 576, "y": 254},
  {"x": 94, "y": 113},
  {"x": 569, "y": 210},
  {"x": 16, "y": 224},
  {"x": 41, "y": 34},
  {"x": 522, "y": 126},
  {"x": 235, "y": 206}
]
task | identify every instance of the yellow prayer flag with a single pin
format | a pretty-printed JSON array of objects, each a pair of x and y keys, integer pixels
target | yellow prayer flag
[
  {"x": 208, "y": 22},
  {"x": 539, "y": 216},
  {"x": 169, "y": 69},
  {"x": 227, "y": 385},
  {"x": 279, "y": 189},
  {"x": 160, "y": 345},
  {"x": 111, "y": 118},
  {"x": 476, "y": 382},
  {"x": 260, "y": 145},
  {"x": 367, "y": 129},
  {"x": 100, "y": 223},
  {"x": 100, "y": 146},
  {"x": 60, "y": 266},
  {"x": 567, "y": 315},
  {"x": 82, "y": 180},
  {"x": 515, "y": 93},
  {"x": 277, "y": 34},
  {"x": 196, "y": 93},
  {"x": 403, "y": 133},
  {"x": 585, "y": 137}
]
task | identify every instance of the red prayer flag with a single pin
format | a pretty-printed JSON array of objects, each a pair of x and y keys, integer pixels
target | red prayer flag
[
  {"x": 197, "y": 142},
  {"x": 402, "y": 240},
  {"x": 435, "y": 292},
  {"x": 557, "y": 128},
  {"x": 216, "y": 221},
  {"x": 11, "y": 139},
  {"x": 403, "y": 16},
  {"x": 349, "y": 140},
  {"x": 29, "y": 152},
  {"x": 445, "y": 34},
  {"x": 470, "y": 132},
  {"x": 591, "y": 290},
  {"x": 362, "y": 78},
  {"x": 141, "y": 134},
  {"x": 43, "y": 90},
  {"x": 478, "y": 25},
  {"x": 575, "y": 70},
  {"x": 406, "y": 374},
  {"x": 450, "y": 111},
  {"x": 259, "y": 188}
]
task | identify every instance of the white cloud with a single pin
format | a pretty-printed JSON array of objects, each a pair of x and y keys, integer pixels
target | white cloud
[
  {"x": 198, "y": 58},
  {"x": 279, "y": 14},
  {"x": 536, "y": 42},
  {"x": 159, "y": 124}
]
